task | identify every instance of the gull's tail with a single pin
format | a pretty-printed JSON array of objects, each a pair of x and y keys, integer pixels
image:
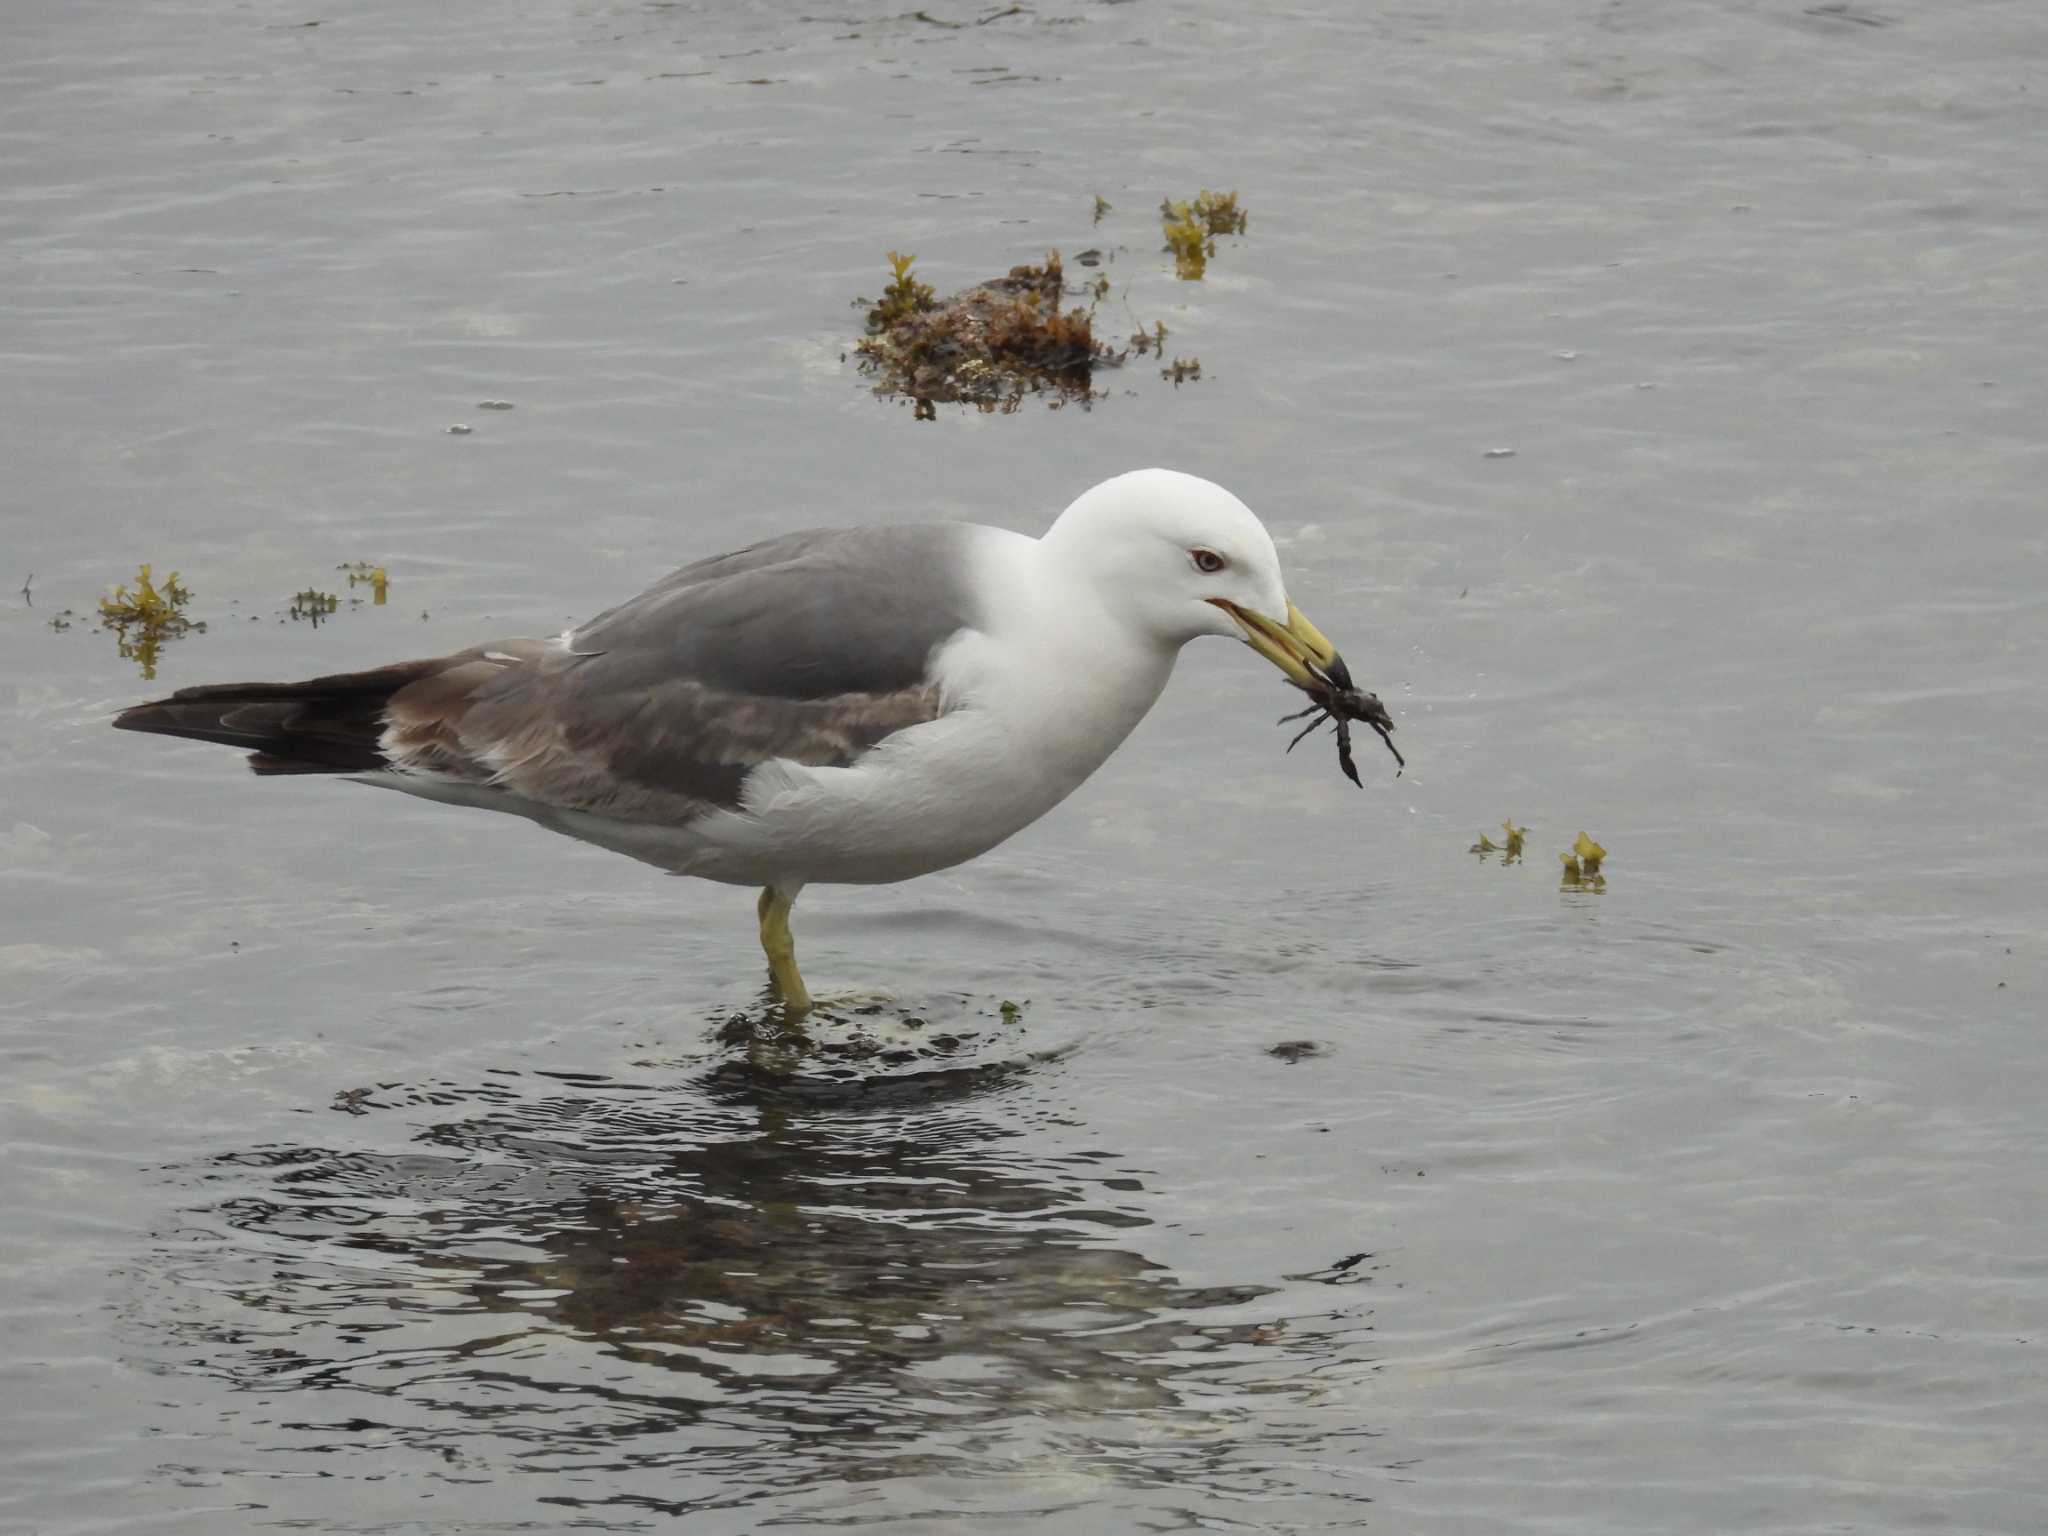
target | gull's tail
[{"x": 324, "y": 725}]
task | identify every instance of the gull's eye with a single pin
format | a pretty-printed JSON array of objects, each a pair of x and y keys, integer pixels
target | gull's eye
[{"x": 1207, "y": 561}]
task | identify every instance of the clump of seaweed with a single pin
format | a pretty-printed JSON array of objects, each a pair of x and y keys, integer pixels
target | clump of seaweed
[
  {"x": 988, "y": 346},
  {"x": 1219, "y": 213},
  {"x": 144, "y": 618},
  {"x": 148, "y": 603},
  {"x": 1102, "y": 206},
  {"x": 313, "y": 606},
  {"x": 1582, "y": 865},
  {"x": 905, "y": 296},
  {"x": 1191, "y": 229},
  {"x": 361, "y": 573},
  {"x": 1510, "y": 851},
  {"x": 1183, "y": 370},
  {"x": 1191, "y": 248}
]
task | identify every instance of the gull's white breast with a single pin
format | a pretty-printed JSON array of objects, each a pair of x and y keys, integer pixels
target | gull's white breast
[{"x": 1037, "y": 698}]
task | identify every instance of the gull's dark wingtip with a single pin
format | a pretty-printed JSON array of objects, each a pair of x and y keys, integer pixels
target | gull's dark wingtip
[{"x": 325, "y": 725}]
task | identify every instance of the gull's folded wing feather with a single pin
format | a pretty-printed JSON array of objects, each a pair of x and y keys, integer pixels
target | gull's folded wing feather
[{"x": 810, "y": 648}]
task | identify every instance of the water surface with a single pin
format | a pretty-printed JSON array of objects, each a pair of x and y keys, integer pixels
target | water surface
[{"x": 1648, "y": 399}]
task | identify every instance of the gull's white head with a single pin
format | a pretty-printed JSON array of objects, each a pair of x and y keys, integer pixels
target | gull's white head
[{"x": 1177, "y": 556}]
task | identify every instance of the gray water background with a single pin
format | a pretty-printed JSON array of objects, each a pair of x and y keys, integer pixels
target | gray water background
[{"x": 374, "y": 1166}]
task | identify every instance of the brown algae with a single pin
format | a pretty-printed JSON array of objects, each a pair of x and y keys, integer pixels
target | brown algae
[
  {"x": 987, "y": 346},
  {"x": 1153, "y": 340}
]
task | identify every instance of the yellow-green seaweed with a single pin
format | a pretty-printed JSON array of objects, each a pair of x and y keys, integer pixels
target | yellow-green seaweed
[
  {"x": 1510, "y": 850},
  {"x": 361, "y": 573},
  {"x": 905, "y": 296},
  {"x": 1191, "y": 228},
  {"x": 1582, "y": 865},
  {"x": 143, "y": 618},
  {"x": 313, "y": 605}
]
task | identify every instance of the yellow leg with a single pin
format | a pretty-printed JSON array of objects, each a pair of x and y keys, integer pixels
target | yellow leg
[{"x": 780, "y": 947}]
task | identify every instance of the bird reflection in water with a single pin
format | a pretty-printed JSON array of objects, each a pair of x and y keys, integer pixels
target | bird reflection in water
[{"x": 679, "y": 1299}]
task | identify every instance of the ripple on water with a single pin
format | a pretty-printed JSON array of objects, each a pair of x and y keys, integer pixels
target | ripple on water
[{"x": 673, "y": 1296}]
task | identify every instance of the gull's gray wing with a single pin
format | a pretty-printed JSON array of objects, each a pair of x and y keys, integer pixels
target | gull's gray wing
[{"x": 812, "y": 647}]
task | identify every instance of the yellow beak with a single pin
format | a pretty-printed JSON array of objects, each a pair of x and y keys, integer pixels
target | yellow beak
[{"x": 1297, "y": 647}]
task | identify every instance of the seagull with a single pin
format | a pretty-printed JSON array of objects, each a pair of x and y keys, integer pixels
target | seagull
[{"x": 839, "y": 706}]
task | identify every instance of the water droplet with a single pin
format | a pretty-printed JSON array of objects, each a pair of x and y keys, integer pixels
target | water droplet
[
  {"x": 494, "y": 405},
  {"x": 459, "y": 430},
  {"x": 1500, "y": 453},
  {"x": 1565, "y": 356}
]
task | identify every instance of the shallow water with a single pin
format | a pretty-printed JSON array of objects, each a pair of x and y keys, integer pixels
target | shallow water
[{"x": 373, "y": 1166}]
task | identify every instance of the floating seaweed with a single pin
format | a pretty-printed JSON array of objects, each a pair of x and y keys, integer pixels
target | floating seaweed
[
  {"x": 1153, "y": 340},
  {"x": 313, "y": 606},
  {"x": 1184, "y": 370},
  {"x": 1191, "y": 229},
  {"x": 905, "y": 296},
  {"x": 1291, "y": 1051},
  {"x": 1582, "y": 865},
  {"x": 1102, "y": 206},
  {"x": 143, "y": 619},
  {"x": 988, "y": 346},
  {"x": 1191, "y": 248},
  {"x": 148, "y": 603},
  {"x": 362, "y": 573},
  {"x": 1219, "y": 214},
  {"x": 1510, "y": 851}
]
